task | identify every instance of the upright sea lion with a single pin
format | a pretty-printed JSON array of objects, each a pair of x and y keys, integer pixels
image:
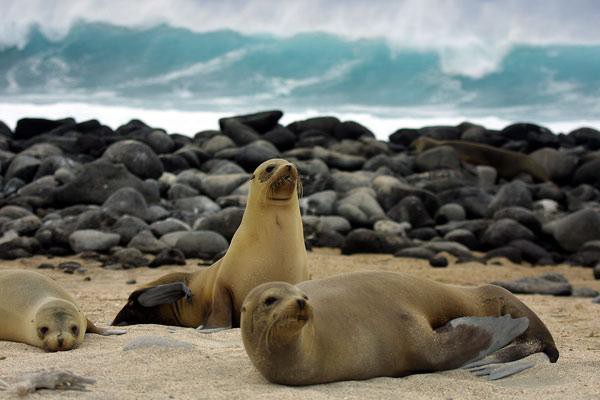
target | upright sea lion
[
  {"x": 37, "y": 311},
  {"x": 369, "y": 324},
  {"x": 507, "y": 163},
  {"x": 268, "y": 246}
]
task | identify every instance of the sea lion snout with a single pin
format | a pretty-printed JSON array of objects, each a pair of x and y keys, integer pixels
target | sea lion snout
[{"x": 301, "y": 303}]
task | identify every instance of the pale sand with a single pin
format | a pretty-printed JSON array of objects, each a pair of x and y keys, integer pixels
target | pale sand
[{"x": 218, "y": 368}]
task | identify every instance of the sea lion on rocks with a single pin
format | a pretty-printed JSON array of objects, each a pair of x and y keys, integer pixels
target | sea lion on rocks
[
  {"x": 267, "y": 246},
  {"x": 370, "y": 324},
  {"x": 37, "y": 311},
  {"x": 507, "y": 163}
]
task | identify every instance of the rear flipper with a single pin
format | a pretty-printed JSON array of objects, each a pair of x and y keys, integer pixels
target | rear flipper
[
  {"x": 493, "y": 372},
  {"x": 469, "y": 339},
  {"x": 502, "y": 331},
  {"x": 91, "y": 328}
]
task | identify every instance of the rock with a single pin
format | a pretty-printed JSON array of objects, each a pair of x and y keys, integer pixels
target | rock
[
  {"x": 240, "y": 133},
  {"x": 360, "y": 207},
  {"x": 404, "y": 137},
  {"x": 588, "y": 137},
  {"x": 586, "y": 173},
  {"x": 14, "y": 212},
  {"x": 216, "y": 186},
  {"x": 425, "y": 233},
  {"x": 440, "y": 157},
  {"x": 127, "y": 227},
  {"x": 92, "y": 240},
  {"x": 261, "y": 122},
  {"x": 415, "y": 252},
  {"x": 390, "y": 191},
  {"x": 197, "y": 205},
  {"x": 438, "y": 262},
  {"x": 130, "y": 258},
  {"x": 252, "y": 155},
  {"x": 97, "y": 181},
  {"x": 127, "y": 201},
  {"x": 23, "y": 167},
  {"x": 160, "y": 228},
  {"x": 533, "y": 253},
  {"x": 42, "y": 188},
  {"x": 217, "y": 143},
  {"x": 225, "y": 222},
  {"x": 558, "y": 165},
  {"x": 597, "y": 271},
  {"x": 585, "y": 292},
  {"x": 552, "y": 284},
  {"x": 71, "y": 267},
  {"x": 168, "y": 257},
  {"x": 511, "y": 253},
  {"x": 350, "y": 130},
  {"x": 367, "y": 241},
  {"x": 320, "y": 203},
  {"x": 201, "y": 244},
  {"x": 145, "y": 242},
  {"x": 441, "y": 132},
  {"x": 391, "y": 227},
  {"x": 173, "y": 162},
  {"x": 138, "y": 157},
  {"x": 170, "y": 239},
  {"x": 534, "y": 136},
  {"x": 181, "y": 191},
  {"x": 346, "y": 181},
  {"x": 486, "y": 177},
  {"x": 522, "y": 215},
  {"x": 29, "y": 127},
  {"x": 505, "y": 231},
  {"x": 596, "y": 300},
  {"x": 450, "y": 212},
  {"x": 456, "y": 249},
  {"x": 12, "y": 186},
  {"x": 26, "y": 225},
  {"x": 159, "y": 141},
  {"x": 463, "y": 237},
  {"x": 410, "y": 209},
  {"x": 573, "y": 230},
  {"x": 281, "y": 137},
  {"x": 515, "y": 193},
  {"x": 323, "y": 124},
  {"x": 399, "y": 164}
]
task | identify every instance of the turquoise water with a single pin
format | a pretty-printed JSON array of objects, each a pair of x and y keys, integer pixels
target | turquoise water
[{"x": 166, "y": 67}]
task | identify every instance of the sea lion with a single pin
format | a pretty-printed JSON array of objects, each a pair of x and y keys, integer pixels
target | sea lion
[
  {"x": 37, "y": 311},
  {"x": 267, "y": 246},
  {"x": 370, "y": 324},
  {"x": 507, "y": 163}
]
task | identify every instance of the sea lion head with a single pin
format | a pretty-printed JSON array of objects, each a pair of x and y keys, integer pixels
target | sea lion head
[
  {"x": 59, "y": 326},
  {"x": 274, "y": 313},
  {"x": 275, "y": 181}
]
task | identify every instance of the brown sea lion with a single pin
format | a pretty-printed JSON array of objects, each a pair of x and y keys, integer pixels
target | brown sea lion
[
  {"x": 268, "y": 246},
  {"x": 37, "y": 311},
  {"x": 507, "y": 163},
  {"x": 370, "y": 324}
]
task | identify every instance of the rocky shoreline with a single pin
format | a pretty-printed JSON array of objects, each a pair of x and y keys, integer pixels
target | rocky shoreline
[{"x": 138, "y": 196}]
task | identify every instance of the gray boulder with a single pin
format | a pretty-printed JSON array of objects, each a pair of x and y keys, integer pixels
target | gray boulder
[
  {"x": 201, "y": 244},
  {"x": 572, "y": 231},
  {"x": 92, "y": 240},
  {"x": 138, "y": 157}
]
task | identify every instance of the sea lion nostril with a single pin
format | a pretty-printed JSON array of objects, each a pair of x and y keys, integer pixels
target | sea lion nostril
[
  {"x": 301, "y": 303},
  {"x": 289, "y": 167}
]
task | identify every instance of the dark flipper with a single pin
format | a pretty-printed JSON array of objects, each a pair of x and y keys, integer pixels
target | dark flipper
[
  {"x": 164, "y": 294},
  {"x": 493, "y": 372},
  {"x": 503, "y": 330}
]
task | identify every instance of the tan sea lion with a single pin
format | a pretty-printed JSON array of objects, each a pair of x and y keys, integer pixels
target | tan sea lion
[
  {"x": 507, "y": 163},
  {"x": 37, "y": 311},
  {"x": 268, "y": 246},
  {"x": 370, "y": 324}
]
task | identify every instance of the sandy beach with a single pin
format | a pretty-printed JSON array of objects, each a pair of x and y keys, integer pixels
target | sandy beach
[{"x": 216, "y": 366}]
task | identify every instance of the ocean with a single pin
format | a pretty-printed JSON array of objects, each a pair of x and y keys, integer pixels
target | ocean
[{"x": 184, "y": 81}]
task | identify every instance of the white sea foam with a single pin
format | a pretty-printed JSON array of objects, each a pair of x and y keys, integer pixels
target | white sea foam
[
  {"x": 190, "y": 122},
  {"x": 471, "y": 36}
]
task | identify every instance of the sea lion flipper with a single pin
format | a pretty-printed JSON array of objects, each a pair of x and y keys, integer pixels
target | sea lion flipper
[
  {"x": 91, "y": 328},
  {"x": 494, "y": 372},
  {"x": 220, "y": 317},
  {"x": 163, "y": 294},
  {"x": 501, "y": 331}
]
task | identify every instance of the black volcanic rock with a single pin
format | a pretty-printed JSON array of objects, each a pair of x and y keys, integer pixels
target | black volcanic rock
[
  {"x": 261, "y": 122},
  {"x": 367, "y": 241},
  {"x": 238, "y": 132},
  {"x": 351, "y": 130},
  {"x": 30, "y": 127},
  {"x": 534, "y": 136},
  {"x": 551, "y": 283},
  {"x": 283, "y": 138},
  {"x": 588, "y": 137},
  {"x": 323, "y": 124}
]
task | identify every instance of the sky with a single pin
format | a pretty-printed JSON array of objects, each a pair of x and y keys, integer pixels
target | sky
[{"x": 470, "y": 36}]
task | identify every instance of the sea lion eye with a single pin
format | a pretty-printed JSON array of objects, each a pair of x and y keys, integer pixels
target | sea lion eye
[
  {"x": 270, "y": 169},
  {"x": 43, "y": 331},
  {"x": 270, "y": 300},
  {"x": 75, "y": 330}
]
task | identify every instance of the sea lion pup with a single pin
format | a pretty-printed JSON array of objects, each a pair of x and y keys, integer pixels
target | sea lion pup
[
  {"x": 370, "y": 324},
  {"x": 37, "y": 311},
  {"x": 268, "y": 246},
  {"x": 507, "y": 163}
]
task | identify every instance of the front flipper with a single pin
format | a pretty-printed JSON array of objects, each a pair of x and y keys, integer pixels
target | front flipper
[
  {"x": 163, "y": 294},
  {"x": 91, "y": 328},
  {"x": 494, "y": 372},
  {"x": 220, "y": 317}
]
